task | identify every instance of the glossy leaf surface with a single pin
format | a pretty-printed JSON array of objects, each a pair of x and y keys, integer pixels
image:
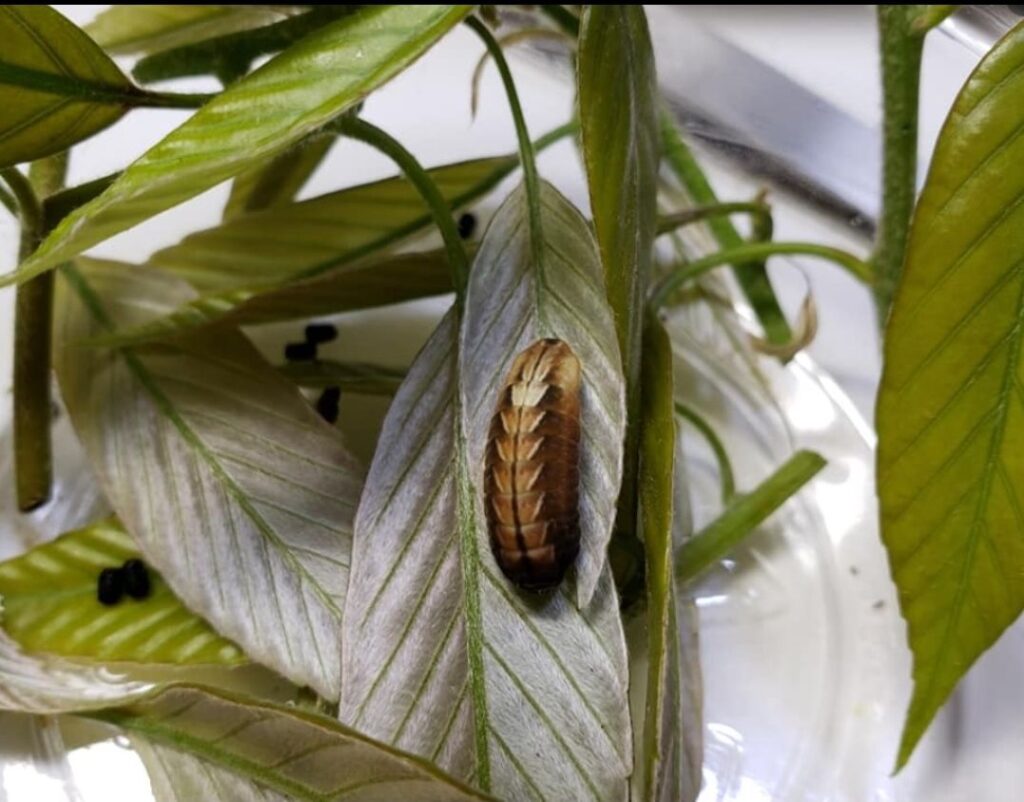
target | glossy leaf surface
[
  {"x": 260, "y": 116},
  {"x": 951, "y": 406},
  {"x": 56, "y": 86}
]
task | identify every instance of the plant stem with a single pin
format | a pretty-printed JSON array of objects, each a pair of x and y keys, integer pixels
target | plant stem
[
  {"x": 172, "y": 100},
  {"x": 751, "y": 275},
  {"x": 752, "y": 253},
  {"x": 60, "y": 204},
  {"x": 527, "y": 154},
  {"x": 698, "y": 214},
  {"x": 391, "y": 147},
  {"x": 747, "y": 511},
  {"x": 728, "y": 480},
  {"x": 32, "y": 330},
  {"x": 901, "y": 46}
]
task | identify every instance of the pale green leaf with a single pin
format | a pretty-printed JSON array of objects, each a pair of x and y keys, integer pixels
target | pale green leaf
[
  {"x": 50, "y": 605},
  {"x": 317, "y": 256},
  {"x": 278, "y": 182},
  {"x": 619, "y": 131},
  {"x": 232, "y": 486},
  {"x": 260, "y": 116},
  {"x": 524, "y": 695},
  {"x": 202, "y": 744},
  {"x": 353, "y": 377},
  {"x": 669, "y": 743},
  {"x": 147, "y": 29},
  {"x": 56, "y": 86},
  {"x": 951, "y": 406},
  {"x": 229, "y": 56}
]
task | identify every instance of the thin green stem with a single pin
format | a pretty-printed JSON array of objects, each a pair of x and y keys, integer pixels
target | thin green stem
[
  {"x": 563, "y": 18},
  {"x": 527, "y": 154},
  {"x": 931, "y": 17},
  {"x": 699, "y": 214},
  {"x": 61, "y": 203},
  {"x": 113, "y": 94},
  {"x": 33, "y": 313},
  {"x": 173, "y": 100},
  {"x": 420, "y": 178},
  {"x": 753, "y": 253},
  {"x": 901, "y": 47},
  {"x": 47, "y": 176},
  {"x": 522, "y": 35},
  {"x": 725, "y": 473},
  {"x": 8, "y": 201},
  {"x": 751, "y": 275},
  {"x": 744, "y": 515}
]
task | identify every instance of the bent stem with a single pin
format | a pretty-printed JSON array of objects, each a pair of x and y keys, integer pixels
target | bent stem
[
  {"x": 751, "y": 275},
  {"x": 375, "y": 137},
  {"x": 744, "y": 514},
  {"x": 757, "y": 252},
  {"x": 761, "y": 213}
]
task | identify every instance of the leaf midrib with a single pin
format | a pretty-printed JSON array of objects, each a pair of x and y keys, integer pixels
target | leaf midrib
[
  {"x": 164, "y": 404},
  {"x": 62, "y": 86},
  {"x": 992, "y": 463}
]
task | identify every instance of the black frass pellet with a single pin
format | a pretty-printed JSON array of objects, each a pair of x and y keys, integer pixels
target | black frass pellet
[
  {"x": 318, "y": 333},
  {"x": 300, "y": 352},
  {"x": 136, "y": 579},
  {"x": 110, "y": 586},
  {"x": 466, "y": 225}
]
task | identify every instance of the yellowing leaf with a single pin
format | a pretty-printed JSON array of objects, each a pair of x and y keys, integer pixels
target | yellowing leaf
[
  {"x": 56, "y": 86},
  {"x": 50, "y": 605},
  {"x": 951, "y": 406}
]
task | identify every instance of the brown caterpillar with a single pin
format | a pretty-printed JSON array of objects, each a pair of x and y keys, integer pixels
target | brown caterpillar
[{"x": 531, "y": 470}]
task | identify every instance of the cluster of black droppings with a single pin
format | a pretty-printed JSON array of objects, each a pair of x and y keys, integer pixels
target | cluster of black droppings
[
  {"x": 132, "y": 579},
  {"x": 327, "y": 404},
  {"x": 466, "y": 225},
  {"x": 305, "y": 351}
]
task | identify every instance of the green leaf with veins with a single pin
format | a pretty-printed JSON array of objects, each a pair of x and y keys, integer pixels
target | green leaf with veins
[
  {"x": 951, "y": 405},
  {"x": 56, "y": 86},
  {"x": 320, "y": 255},
  {"x": 147, "y": 29},
  {"x": 50, "y": 605},
  {"x": 260, "y": 116},
  {"x": 200, "y": 743},
  {"x": 232, "y": 486},
  {"x": 524, "y": 696}
]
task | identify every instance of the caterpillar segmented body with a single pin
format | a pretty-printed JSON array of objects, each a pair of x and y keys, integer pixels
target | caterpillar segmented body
[{"x": 531, "y": 473}]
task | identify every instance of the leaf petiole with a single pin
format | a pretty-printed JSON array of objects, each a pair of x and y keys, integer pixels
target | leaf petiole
[
  {"x": 744, "y": 514},
  {"x": 753, "y": 253}
]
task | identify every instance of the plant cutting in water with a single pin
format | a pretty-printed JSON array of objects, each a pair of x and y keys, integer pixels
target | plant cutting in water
[{"x": 469, "y": 615}]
